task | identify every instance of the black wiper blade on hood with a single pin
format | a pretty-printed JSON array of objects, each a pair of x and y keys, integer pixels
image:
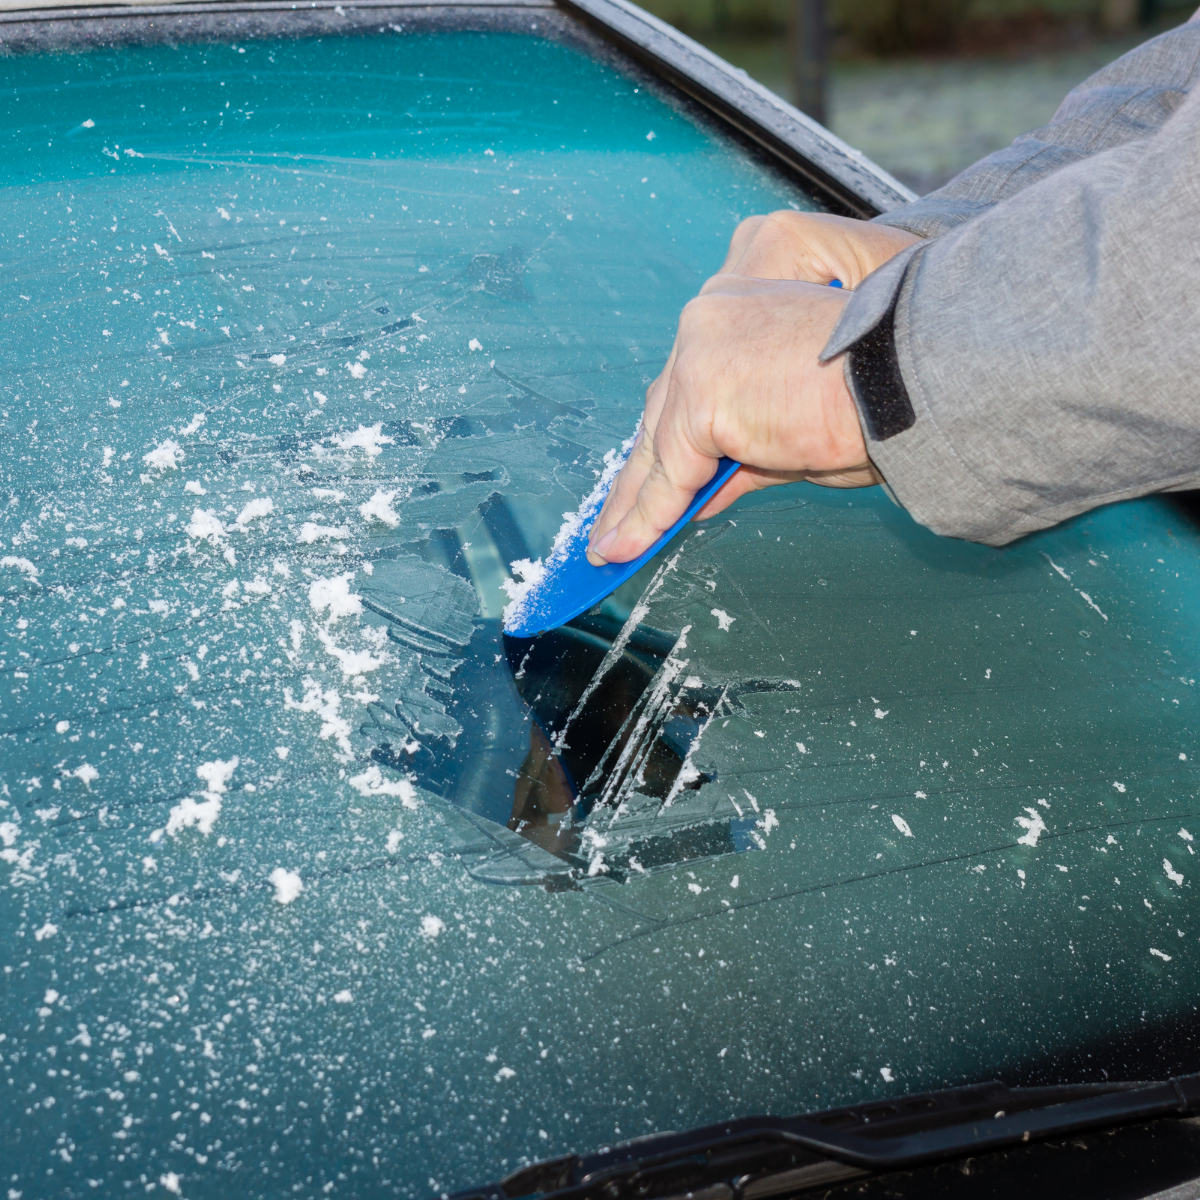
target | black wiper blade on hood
[{"x": 753, "y": 1158}]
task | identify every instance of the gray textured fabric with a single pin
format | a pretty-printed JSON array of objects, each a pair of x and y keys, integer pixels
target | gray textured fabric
[
  {"x": 1050, "y": 344},
  {"x": 1130, "y": 98}
]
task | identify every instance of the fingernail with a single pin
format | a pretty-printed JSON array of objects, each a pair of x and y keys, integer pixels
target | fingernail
[{"x": 601, "y": 548}]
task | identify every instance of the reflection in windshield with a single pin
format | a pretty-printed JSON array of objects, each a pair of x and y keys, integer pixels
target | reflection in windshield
[{"x": 297, "y": 895}]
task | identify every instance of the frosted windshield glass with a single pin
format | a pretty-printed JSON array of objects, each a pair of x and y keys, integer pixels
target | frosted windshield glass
[{"x": 310, "y": 882}]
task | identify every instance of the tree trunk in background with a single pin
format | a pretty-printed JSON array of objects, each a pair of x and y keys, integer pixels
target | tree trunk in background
[
  {"x": 1117, "y": 16},
  {"x": 808, "y": 57}
]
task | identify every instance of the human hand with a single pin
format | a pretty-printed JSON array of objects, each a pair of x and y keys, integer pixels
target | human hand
[
  {"x": 815, "y": 247},
  {"x": 742, "y": 381}
]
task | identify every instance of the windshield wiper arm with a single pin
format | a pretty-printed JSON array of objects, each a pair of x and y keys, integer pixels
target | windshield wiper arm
[{"x": 756, "y": 1157}]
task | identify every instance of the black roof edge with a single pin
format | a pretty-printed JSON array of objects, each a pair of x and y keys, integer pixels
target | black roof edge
[{"x": 845, "y": 175}]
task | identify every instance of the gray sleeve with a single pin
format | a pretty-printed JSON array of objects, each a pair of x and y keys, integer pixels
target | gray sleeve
[
  {"x": 1129, "y": 99},
  {"x": 1050, "y": 348}
]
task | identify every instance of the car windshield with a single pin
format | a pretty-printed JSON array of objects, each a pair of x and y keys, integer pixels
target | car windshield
[{"x": 311, "y": 882}]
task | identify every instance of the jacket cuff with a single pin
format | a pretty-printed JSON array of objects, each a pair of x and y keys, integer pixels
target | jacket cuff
[
  {"x": 921, "y": 470},
  {"x": 870, "y": 302}
]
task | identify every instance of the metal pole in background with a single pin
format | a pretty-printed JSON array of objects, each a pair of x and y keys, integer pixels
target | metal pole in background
[{"x": 808, "y": 57}]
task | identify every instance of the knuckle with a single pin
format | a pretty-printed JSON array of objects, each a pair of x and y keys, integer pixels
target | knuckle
[{"x": 782, "y": 221}]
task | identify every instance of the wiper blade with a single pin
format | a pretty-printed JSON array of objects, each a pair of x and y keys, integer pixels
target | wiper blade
[{"x": 753, "y": 1158}]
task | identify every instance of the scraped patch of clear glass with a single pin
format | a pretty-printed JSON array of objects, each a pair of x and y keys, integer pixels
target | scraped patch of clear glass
[{"x": 310, "y": 882}]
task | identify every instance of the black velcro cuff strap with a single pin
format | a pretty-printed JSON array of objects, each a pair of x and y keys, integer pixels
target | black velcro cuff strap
[{"x": 875, "y": 372}]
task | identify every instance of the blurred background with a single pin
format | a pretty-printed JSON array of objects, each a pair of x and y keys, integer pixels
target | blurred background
[{"x": 924, "y": 87}]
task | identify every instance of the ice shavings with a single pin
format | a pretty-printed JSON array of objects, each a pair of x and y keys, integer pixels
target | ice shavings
[
  {"x": 369, "y": 438},
  {"x": 432, "y": 926},
  {"x": 379, "y": 508},
  {"x": 311, "y": 532},
  {"x": 193, "y": 426},
  {"x": 372, "y": 782},
  {"x": 288, "y": 885},
  {"x": 1091, "y": 603},
  {"x": 902, "y": 825},
  {"x": 256, "y": 508},
  {"x": 1160, "y": 954},
  {"x": 352, "y": 662},
  {"x": 657, "y": 703},
  {"x": 203, "y": 814},
  {"x": 327, "y": 705},
  {"x": 20, "y": 564},
  {"x": 724, "y": 620},
  {"x": 332, "y": 596},
  {"x": 1174, "y": 876},
  {"x": 165, "y": 456},
  {"x": 205, "y": 525},
  {"x": 1033, "y": 825},
  {"x": 527, "y": 575},
  {"x": 533, "y": 574}
]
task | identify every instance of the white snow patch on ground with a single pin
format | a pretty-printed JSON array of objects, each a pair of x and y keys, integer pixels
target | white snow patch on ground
[
  {"x": 379, "y": 508},
  {"x": 20, "y": 564},
  {"x": 205, "y": 525},
  {"x": 902, "y": 825},
  {"x": 369, "y": 438},
  {"x": 474, "y": 344},
  {"x": 193, "y": 426},
  {"x": 1033, "y": 825},
  {"x": 373, "y": 783},
  {"x": 328, "y": 494},
  {"x": 432, "y": 926},
  {"x": 288, "y": 885},
  {"x": 333, "y": 596},
  {"x": 277, "y": 360},
  {"x": 256, "y": 508},
  {"x": 194, "y": 486},
  {"x": 357, "y": 370},
  {"x": 724, "y": 620},
  {"x": 165, "y": 456},
  {"x": 311, "y": 532}
]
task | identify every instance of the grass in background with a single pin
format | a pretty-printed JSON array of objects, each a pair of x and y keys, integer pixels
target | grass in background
[{"x": 1004, "y": 70}]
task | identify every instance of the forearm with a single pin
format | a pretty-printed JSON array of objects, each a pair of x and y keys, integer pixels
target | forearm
[
  {"x": 1049, "y": 349},
  {"x": 1130, "y": 99}
]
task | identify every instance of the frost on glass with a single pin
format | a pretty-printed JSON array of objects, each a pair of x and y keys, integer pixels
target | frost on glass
[{"x": 310, "y": 882}]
